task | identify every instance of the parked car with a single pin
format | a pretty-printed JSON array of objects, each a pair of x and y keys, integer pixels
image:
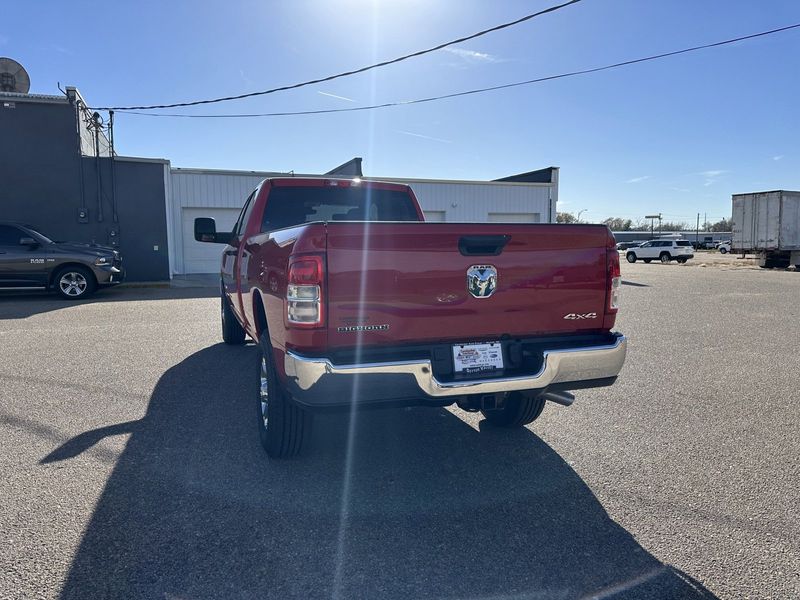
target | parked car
[
  {"x": 626, "y": 245},
  {"x": 30, "y": 260},
  {"x": 663, "y": 250},
  {"x": 724, "y": 247},
  {"x": 707, "y": 243},
  {"x": 354, "y": 301}
]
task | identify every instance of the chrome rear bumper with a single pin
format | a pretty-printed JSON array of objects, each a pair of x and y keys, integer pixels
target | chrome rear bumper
[{"x": 318, "y": 382}]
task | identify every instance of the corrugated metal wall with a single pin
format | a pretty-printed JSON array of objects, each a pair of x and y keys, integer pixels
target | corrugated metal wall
[
  {"x": 205, "y": 189},
  {"x": 456, "y": 201},
  {"x": 472, "y": 202}
]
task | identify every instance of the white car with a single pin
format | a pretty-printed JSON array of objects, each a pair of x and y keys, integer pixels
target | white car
[
  {"x": 724, "y": 247},
  {"x": 663, "y": 250}
]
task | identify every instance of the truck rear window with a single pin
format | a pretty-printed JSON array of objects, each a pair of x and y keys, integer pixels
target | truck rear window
[{"x": 288, "y": 206}]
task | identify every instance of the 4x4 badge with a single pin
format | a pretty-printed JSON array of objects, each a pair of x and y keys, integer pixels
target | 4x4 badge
[
  {"x": 579, "y": 316},
  {"x": 482, "y": 280}
]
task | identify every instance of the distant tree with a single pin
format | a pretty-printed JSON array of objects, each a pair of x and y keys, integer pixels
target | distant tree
[
  {"x": 672, "y": 226},
  {"x": 721, "y": 225},
  {"x": 566, "y": 218},
  {"x": 618, "y": 224}
]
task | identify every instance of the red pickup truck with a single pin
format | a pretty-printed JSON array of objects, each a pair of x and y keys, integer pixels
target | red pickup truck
[{"x": 355, "y": 301}]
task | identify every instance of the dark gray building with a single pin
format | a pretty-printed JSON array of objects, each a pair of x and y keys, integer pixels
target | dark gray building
[{"x": 59, "y": 175}]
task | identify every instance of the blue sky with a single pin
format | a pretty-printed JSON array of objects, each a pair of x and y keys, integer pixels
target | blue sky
[{"x": 676, "y": 136}]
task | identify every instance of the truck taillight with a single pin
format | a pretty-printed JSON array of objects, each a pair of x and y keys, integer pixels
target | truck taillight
[
  {"x": 304, "y": 291},
  {"x": 614, "y": 279}
]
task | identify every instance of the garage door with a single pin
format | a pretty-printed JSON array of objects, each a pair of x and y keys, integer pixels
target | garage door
[
  {"x": 513, "y": 217},
  {"x": 199, "y": 257}
]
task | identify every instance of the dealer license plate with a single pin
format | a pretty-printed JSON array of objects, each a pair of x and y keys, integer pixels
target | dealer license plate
[{"x": 476, "y": 358}]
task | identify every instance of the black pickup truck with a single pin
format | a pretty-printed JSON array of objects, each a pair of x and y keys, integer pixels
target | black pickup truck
[{"x": 30, "y": 260}]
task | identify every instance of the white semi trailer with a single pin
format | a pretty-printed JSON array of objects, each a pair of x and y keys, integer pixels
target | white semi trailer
[{"x": 768, "y": 224}]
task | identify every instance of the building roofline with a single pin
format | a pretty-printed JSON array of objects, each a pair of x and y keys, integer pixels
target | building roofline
[
  {"x": 163, "y": 161},
  {"x": 765, "y": 192},
  {"x": 470, "y": 181},
  {"x": 406, "y": 180},
  {"x": 32, "y": 98}
]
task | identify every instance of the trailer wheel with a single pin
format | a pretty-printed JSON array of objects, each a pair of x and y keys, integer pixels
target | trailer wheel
[
  {"x": 519, "y": 410},
  {"x": 665, "y": 257}
]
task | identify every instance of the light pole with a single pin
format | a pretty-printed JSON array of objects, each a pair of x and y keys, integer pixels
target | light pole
[
  {"x": 651, "y": 217},
  {"x": 579, "y": 213}
]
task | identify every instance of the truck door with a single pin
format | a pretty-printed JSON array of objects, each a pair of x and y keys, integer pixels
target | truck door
[
  {"x": 232, "y": 260},
  {"x": 21, "y": 265}
]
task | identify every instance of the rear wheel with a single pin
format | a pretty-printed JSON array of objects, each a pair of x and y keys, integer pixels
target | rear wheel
[
  {"x": 665, "y": 257},
  {"x": 519, "y": 410},
  {"x": 232, "y": 332},
  {"x": 283, "y": 427},
  {"x": 630, "y": 257},
  {"x": 75, "y": 282}
]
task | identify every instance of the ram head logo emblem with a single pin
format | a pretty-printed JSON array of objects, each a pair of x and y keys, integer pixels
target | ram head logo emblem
[{"x": 482, "y": 280}]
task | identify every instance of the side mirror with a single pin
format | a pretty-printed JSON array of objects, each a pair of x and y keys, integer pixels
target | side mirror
[
  {"x": 205, "y": 230},
  {"x": 28, "y": 241}
]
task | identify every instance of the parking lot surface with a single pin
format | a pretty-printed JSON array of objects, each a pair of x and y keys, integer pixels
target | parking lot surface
[{"x": 131, "y": 466}]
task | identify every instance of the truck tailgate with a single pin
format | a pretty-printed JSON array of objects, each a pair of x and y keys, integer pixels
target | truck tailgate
[{"x": 396, "y": 283}]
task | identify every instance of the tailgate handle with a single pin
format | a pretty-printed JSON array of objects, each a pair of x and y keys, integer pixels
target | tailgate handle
[{"x": 482, "y": 245}]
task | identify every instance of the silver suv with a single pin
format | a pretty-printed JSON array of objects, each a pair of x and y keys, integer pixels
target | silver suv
[{"x": 663, "y": 250}]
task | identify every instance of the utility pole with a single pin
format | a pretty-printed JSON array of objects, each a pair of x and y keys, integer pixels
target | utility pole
[
  {"x": 705, "y": 221},
  {"x": 697, "y": 232}
]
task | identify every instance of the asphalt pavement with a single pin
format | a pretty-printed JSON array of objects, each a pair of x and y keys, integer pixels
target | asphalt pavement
[{"x": 130, "y": 465}]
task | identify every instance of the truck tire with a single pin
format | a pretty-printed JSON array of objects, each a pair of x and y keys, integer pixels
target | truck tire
[
  {"x": 520, "y": 410},
  {"x": 630, "y": 257},
  {"x": 74, "y": 282},
  {"x": 232, "y": 332},
  {"x": 664, "y": 257},
  {"x": 283, "y": 427}
]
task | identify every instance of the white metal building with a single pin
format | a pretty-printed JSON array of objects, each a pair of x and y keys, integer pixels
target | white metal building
[{"x": 220, "y": 194}]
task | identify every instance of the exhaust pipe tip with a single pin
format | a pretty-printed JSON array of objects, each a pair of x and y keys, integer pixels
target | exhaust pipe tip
[{"x": 562, "y": 398}]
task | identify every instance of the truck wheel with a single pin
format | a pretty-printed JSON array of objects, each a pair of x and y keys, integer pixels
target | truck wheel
[
  {"x": 75, "y": 282},
  {"x": 520, "y": 410},
  {"x": 630, "y": 257},
  {"x": 232, "y": 332},
  {"x": 665, "y": 257},
  {"x": 283, "y": 427}
]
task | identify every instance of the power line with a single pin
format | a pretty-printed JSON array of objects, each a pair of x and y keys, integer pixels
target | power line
[
  {"x": 467, "y": 92},
  {"x": 354, "y": 71}
]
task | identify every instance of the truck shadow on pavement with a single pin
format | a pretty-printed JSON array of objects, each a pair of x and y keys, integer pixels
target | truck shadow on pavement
[
  {"x": 415, "y": 504},
  {"x": 24, "y": 304}
]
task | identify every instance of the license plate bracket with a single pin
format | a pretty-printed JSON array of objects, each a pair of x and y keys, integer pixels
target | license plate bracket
[{"x": 479, "y": 357}]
